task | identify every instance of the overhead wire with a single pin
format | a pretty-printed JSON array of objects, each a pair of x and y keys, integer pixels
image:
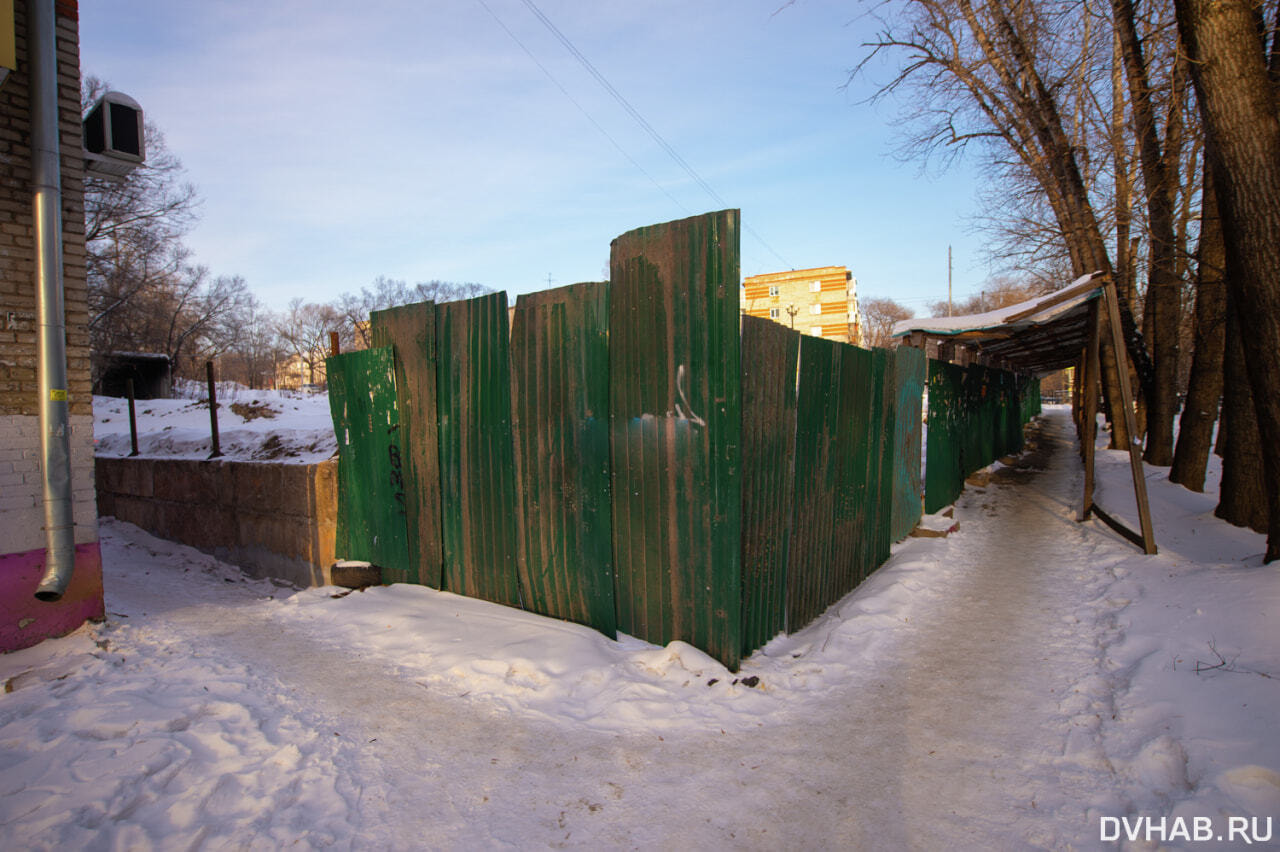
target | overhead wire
[
  {"x": 628, "y": 108},
  {"x": 580, "y": 107},
  {"x": 644, "y": 124}
]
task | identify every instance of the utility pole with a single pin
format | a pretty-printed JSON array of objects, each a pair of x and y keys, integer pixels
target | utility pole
[{"x": 948, "y": 280}]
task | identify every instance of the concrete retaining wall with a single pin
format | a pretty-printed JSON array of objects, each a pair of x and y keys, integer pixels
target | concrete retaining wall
[{"x": 272, "y": 520}]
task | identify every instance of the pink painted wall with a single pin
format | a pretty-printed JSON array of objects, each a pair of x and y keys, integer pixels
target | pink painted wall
[{"x": 25, "y": 621}]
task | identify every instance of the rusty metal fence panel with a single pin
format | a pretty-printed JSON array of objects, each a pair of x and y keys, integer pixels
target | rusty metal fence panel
[
  {"x": 675, "y": 433},
  {"x": 770, "y": 353},
  {"x": 477, "y": 465},
  {"x": 371, "y": 489},
  {"x": 560, "y": 402},
  {"x": 910, "y": 367},
  {"x": 411, "y": 331}
]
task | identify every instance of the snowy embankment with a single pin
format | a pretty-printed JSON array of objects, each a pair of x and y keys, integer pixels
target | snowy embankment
[
  {"x": 1015, "y": 684},
  {"x": 253, "y": 425}
]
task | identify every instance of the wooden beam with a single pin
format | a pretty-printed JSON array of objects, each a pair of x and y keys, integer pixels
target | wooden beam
[
  {"x": 1089, "y": 416},
  {"x": 1059, "y": 297},
  {"x": 1126, "y": 404},
  {"x": 1120, "y": 528}
]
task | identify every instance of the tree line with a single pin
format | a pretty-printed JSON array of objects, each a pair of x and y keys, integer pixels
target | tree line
[
  {"x": 1139, "y": 138},
  {"x": 146, "y": 295}
]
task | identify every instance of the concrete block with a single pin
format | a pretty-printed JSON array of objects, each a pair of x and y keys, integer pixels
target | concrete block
[
  {"x": 184, "y": 481},
  {"x": 259, "y": 487}
]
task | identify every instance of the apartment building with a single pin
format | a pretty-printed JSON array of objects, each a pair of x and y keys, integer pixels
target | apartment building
[{"x": 822, "y": 302}]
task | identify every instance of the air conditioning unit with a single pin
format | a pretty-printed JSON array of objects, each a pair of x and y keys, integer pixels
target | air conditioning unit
[{"x": 114, "y": 141}]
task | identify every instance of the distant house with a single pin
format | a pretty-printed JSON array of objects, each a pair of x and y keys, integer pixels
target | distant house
[
  {"x": 295, "y": 373},
  {"x": 150, "y": 372},
  {"x": 822, "y": 302}
]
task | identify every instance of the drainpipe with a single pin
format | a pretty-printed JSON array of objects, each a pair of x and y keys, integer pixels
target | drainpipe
[{"x": 46, "y": 180}]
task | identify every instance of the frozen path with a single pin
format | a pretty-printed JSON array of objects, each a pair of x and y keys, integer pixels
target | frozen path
[{"x": 956, "y": 700}]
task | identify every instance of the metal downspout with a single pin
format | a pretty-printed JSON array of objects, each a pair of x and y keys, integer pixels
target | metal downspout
[{"x": 46, "y": 179}]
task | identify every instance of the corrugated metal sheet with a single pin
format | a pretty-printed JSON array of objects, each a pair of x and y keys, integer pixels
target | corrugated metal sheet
[
  {"x": 560, "y": 402},
  {"x": 829, "y": 541},
  {"x": 477, "y": 466},
  {"x": 944, "y": 478},
  {"x": 675, "y": 433},
  {"x": 411, "y": 331},
  {"x": 910, "y": 367},
  {"x": 770, "y": 353},
  {"x": 884, "y": 431},
  {"x": 371, "y": 486}
]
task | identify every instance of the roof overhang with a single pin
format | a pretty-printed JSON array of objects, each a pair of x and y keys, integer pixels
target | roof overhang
[{"x": 1039, "y": 336}]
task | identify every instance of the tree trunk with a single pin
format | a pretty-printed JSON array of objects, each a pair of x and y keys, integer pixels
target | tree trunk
[
  {"x": 1162, "y": 309},
  {"x": 1243, "y": 497},
  {"x": 1204, "y": 389},
  {"x": 1241, "y": 112}
]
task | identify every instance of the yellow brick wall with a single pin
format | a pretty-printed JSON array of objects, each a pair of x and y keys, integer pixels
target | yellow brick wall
[{"x": 821, "y": 301}]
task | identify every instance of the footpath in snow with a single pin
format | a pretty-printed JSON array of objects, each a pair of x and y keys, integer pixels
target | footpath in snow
[{"x": 1023, "y": 683}]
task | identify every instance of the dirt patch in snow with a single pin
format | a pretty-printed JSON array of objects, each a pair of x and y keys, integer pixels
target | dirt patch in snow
[{"x": 253, "y": 410}]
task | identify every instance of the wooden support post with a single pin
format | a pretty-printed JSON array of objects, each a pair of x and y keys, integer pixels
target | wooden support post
[
  {"x": 1126, "y": 403},
  {"x": 213, "y": 411},
  {"x": 1089, "y": 410},
  {"x": 133, "y": 420},
  {"x": 334, "y": 348}
]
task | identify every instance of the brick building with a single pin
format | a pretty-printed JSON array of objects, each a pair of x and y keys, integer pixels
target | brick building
[
  {"x": 822, "y": 302},
  {"x": 23, "y": 544}
]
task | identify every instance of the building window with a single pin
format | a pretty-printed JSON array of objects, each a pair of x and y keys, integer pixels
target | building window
[
  {"x": 815, "y": 287},
  {"x": 773, "y": 313},
  {"x": 773, "y": 291},
  {"x": 815, "y": 308},
  {"x": 816, "y": 331}
]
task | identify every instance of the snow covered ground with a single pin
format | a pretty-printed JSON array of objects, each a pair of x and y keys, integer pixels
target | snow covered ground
[
  {"x": 253, "y": 425},
  {"x": 1027, "y": 682}
]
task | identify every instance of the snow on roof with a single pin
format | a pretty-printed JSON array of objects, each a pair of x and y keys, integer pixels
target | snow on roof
[{"x": 1037, "y": 311}]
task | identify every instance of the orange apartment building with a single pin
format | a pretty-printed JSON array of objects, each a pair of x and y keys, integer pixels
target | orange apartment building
[{"x": 822, "y": 302}]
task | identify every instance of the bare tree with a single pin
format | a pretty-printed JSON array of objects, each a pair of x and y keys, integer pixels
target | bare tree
[
  {"x": 355, "y": 308},
  {"x": 304, "y": 333},
  {"x": 878, "y": 319},
  {"x": 998, "y": 75},
  {"x": 1237, "y": 80}
]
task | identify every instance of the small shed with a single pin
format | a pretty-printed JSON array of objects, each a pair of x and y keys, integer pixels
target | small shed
[
  {"x": 151, "y": 373},
  {"x": 1042, "y": 335}
]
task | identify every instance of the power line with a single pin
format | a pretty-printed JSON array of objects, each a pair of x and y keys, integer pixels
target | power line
[
  {"x": 638, "y": 118},
  {"x": 580, "y": 107}
]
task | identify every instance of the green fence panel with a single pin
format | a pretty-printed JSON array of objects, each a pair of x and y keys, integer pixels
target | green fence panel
[
  {"x": 770, "y": 353},
  {"x": 885, "y": 434},
  {"x": 411, "y": 331},
  {"x": 944, "y": 478},
  {"x": 477, "y": 465},
  {"x": 910, "y": 367},
  {"x": 810, "y": 566},
  {"x": 858, "y": 466},
  {"x": 560, "y": 403},
  {"x": 829, "y": 543},
  {"x": 372, "y": 524},
  {"x": 675, "y": 433}
]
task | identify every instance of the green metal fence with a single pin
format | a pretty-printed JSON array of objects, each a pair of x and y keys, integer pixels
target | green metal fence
[
  {"x": 560, "y": 399},
  {"x": 910, "y": 371},
  {"x": 976, "y": 415},
  {"x": 676, "y": 432},
  {"x": 639, "y": 457}
]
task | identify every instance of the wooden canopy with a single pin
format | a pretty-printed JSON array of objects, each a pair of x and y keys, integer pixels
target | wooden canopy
[{"x": 1039, "y": 336}]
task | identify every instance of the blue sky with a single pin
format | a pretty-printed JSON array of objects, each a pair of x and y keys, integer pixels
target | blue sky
[{"x": 334, "y": 142}]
